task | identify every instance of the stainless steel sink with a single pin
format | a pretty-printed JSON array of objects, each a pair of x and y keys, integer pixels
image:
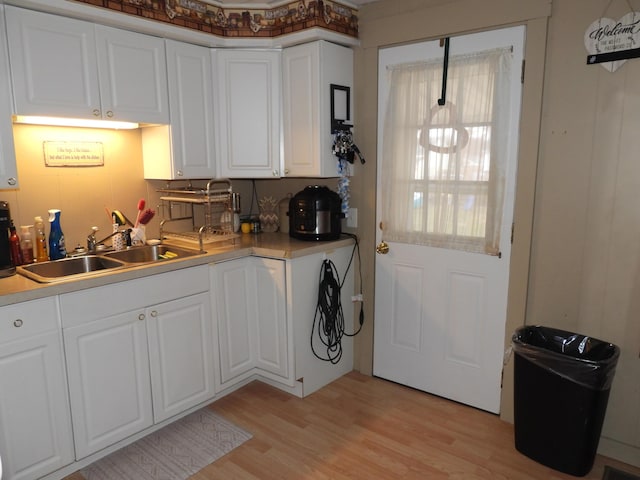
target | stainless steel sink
[
  {"x": 59, "y": 270},
  {"x": 151, "y": 253}
]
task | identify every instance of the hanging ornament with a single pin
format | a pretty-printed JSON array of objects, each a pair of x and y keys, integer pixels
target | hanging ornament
[
  {"x": 343, "y": 185},
  {"x": 345, "y": 150}
]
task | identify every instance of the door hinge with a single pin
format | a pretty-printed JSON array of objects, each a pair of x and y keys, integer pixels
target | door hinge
[
  {"x": 513, "y": 226},
  {"x": 522, "y": 72}
]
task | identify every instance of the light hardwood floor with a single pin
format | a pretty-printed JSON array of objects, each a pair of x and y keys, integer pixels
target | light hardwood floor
[{"x": 361, "y": 427}]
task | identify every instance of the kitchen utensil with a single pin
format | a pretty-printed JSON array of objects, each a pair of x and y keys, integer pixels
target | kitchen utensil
[
  {"x": 146, "y": 216},
  {"x": 141, "y": 205},
  {"x": 120, "y": 218}
]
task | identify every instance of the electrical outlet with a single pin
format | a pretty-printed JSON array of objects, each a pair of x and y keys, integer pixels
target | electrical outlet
[{"x": 352, "y": 218}]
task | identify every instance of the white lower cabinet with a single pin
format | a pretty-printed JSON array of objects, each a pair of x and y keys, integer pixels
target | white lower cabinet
[
  {"x": 140, "y": 354},
  {"x": 108, "y": 367},
  {"x": 265, "y": 309},
  {"x": 303, "y": 275},
  {"x": 250, "y": 309},
  {"x": 180, "y": 349},
  {"x": 35, "y": 423},
  {"x": 142, "y": 351}
]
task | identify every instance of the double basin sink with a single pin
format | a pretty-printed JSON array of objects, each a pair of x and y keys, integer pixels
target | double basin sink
[{"x": 88, "y": 265}]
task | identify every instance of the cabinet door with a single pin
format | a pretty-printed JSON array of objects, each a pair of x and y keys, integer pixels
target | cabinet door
[
  {"x": 249, "y": 112},
  {"x": 231, "y": 282},
  {"x": 53, "y": 65},
  {"x": 301, "y": 113},
  {"x": 253, "y": 336},
  {"x": 186, "y": 148},
  {"x": 133, "y": 76},
  {"x": 35, "y": 424},
  {"x": 109, "y": 386},
  {"x": 308, "y": 71},
  {"x": 271, "y": 336},
  {"x": 181, "y": 354},
  {"x": 8, "y": 166}
]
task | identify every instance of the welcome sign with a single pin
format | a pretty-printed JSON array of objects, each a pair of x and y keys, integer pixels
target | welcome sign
[{"x": 606, "y": 36}]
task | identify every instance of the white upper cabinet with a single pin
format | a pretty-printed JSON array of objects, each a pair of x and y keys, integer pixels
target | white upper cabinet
[
  {"x": 309, "y": 70},
  {"x": 249, "y": 92},
  {"x": 53, "y": 64},
  {"x": 71, "y": 68},
  {"x": 133, "y": 76},
  {"x": 8, "y": 167},
  {"x": 186, "y": 148}
]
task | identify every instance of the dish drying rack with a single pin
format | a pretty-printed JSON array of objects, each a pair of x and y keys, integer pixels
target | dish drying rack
[{"x": 205, "y": 203}]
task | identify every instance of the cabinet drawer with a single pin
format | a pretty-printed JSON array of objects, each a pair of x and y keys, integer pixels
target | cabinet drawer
[{"x": 25, "y": 319}]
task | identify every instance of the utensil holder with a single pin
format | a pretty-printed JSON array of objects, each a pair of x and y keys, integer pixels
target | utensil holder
[
  {"x": 138, "y": 236},
  {"x": 118, "y": 239}
]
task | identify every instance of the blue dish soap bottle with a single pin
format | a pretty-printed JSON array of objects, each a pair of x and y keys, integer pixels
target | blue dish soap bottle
[{"x": 57, "y": 249}]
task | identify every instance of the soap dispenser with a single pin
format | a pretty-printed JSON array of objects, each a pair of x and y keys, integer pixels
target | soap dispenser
[{"x": 57, "y": 248}]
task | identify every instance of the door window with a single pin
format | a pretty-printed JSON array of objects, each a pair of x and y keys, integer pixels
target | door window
[{"x": 443, "y": 176}]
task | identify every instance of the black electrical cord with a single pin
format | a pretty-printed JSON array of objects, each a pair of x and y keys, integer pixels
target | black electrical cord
[{"x": 329, "y": 320}]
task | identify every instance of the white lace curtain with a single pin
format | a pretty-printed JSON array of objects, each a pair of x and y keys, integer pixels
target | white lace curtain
[{"x": 443, "y": 167}]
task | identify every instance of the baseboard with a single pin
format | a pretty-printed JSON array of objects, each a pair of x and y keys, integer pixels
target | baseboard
[{"x": 619, "y": 451}]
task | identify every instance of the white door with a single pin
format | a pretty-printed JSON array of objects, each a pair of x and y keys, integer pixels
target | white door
[
  {"x": 192, "y": 112},
  {"x": 440, "y": 311},
  {"x": 248, "y": 112},
  {"x": 35, "y": 424},
  {"x": 133, "y": 76},
  {"x": 109, "y": 385},
  {"x": 53, "y": 64},
  {"x": 181, "y": 355},
  {"x": 230, "y": 284},
  {"x": 271, "y": 336}
]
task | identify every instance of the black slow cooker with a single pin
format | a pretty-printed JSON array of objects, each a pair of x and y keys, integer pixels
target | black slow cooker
[{"x": 315, "y": 214}]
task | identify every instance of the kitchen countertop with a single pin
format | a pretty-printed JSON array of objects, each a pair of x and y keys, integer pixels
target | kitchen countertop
[{"x": 16, "y": 288}]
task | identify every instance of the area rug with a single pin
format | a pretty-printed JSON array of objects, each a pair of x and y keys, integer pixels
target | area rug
[
  {"x": 611, "y": 473},
  {"x": 174, "y": 452}
]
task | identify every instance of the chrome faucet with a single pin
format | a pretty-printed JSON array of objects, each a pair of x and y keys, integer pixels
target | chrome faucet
[{"x": 92, "y": 243}]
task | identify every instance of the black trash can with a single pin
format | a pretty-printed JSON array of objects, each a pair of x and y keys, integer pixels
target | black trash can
[{"x": 562, "y": 382}]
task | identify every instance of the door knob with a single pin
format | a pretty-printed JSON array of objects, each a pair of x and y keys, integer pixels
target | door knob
[{"x": 382, "y": 248}]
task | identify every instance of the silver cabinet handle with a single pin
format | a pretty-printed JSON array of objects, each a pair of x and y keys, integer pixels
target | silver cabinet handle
[
  {"x": 154, "y": 314},
  {"x": 12, "y": 181},
  {"x": 109, "y": 114},
  {"x": 18, "y": 322},
  {"x": 141, "y": 316},
  {"x": 96, "y": 112}
]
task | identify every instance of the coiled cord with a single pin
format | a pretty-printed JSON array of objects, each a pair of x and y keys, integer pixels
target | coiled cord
[{"x": 328, "y": 320}]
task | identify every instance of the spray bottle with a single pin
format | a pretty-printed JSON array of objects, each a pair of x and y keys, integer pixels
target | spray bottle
[
  {"x": 57, "y": 248},
  {"x": 40, "y": 240}
]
